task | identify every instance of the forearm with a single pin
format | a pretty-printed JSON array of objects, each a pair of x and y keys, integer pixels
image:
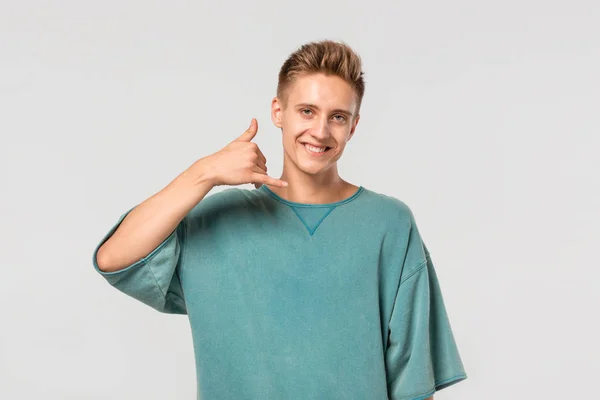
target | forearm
[{"x": 153, "y": 220}]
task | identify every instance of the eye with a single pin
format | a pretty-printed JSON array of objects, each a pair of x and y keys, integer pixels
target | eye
[
  {"x": 341, "y": 118},
  {"x": 304, "y": 110}
]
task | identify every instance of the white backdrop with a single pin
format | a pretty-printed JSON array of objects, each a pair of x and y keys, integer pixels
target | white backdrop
[{"x": 495, "y": 104}]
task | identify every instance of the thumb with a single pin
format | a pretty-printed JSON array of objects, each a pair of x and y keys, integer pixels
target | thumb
[{"x": 250, "y": 132}]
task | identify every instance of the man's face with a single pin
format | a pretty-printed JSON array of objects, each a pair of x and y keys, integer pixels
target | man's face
[{"x": 320, "y": 111}]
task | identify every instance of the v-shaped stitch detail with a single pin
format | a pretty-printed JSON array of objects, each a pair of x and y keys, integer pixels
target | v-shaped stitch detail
[{"x": 312, "y": 217}]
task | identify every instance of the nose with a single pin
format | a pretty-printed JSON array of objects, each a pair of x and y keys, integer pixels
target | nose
[{"x": 321, "y": 129}]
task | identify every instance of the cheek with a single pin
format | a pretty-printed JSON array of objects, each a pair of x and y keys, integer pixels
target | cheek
[
  {"x": 290, "y": 140},
  {"x": 291, "y": 133},
  {"x": 296, "y": 124},
  {"x": 341, "y": 146},
  {"x": 337, "y": 151}
]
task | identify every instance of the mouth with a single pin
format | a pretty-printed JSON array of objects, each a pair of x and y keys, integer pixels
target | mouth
[{"x": 316, "y": 151}]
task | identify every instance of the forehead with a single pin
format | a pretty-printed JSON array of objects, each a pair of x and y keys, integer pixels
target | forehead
[{"x": 322, "y": 90}]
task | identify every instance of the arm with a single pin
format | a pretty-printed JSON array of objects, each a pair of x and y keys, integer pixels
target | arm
[
  {"x": 142, "y": 254},
  {"x": 152, "y": 221},
  {"x": 421, "y": 355}
]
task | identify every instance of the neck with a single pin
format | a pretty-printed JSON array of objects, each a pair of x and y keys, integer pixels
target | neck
[{"x": 326, "y": 187}]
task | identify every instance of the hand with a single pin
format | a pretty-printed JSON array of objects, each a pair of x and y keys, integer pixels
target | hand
[{"x": 240, "y": 162}]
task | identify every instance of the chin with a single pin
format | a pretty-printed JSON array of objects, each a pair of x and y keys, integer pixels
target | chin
[
  {"x": 311, "y": 171},
  {"x": 312, "y": 168}
]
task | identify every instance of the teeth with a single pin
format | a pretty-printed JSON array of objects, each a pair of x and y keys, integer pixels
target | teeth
[{"x": 315, "y": 149}]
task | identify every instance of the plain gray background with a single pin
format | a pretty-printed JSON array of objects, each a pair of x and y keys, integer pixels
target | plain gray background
[{"x": 482, "y": 116}]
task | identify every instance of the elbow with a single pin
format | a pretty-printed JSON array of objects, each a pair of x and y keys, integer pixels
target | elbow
[{"x": 103, "y": 260}]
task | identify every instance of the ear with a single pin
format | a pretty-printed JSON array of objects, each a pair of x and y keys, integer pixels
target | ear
[
  {"x": 276, "y": 112},
  {"x": 353, "y": 128}
]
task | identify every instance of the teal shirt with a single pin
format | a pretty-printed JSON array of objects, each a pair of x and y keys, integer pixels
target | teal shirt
[{"x": 302, "y": 301}]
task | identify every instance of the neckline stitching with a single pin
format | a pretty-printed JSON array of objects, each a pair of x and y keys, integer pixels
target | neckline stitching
[
  {"x": 308, "y": 205},
  {"x": 313, "y": 230}
]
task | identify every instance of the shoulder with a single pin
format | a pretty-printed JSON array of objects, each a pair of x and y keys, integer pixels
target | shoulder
[
  {"x": 230, "y": 201},
  {"x": 388, "y": 207},
  {"x": 404, "y": 237}
]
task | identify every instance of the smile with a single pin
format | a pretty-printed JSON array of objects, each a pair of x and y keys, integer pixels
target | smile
[{"x": 315, "y": 151}]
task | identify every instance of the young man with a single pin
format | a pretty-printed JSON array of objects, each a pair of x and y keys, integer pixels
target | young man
[{"x": 304, "y": 287}]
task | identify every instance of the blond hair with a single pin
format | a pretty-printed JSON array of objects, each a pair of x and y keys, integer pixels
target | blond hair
[{"x": 328, "y": 57}]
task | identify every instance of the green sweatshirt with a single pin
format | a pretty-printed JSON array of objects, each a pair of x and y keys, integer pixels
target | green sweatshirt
[{"x": 289, "y": 300}]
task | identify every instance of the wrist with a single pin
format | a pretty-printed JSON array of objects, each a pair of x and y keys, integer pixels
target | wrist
[{"x": 200, "y": 175}]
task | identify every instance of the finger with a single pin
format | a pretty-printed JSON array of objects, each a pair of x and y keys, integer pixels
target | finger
[
  {"x": 250, "y": 132},
  {"x": 262, "y": 156},
  {"x": 259, "y": 170},
  {"x": 261, "y": 164},
  {"x": 267, "y": 180}
]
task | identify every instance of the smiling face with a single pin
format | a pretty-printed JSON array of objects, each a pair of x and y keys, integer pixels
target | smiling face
[{"x": 319, "y": 111}]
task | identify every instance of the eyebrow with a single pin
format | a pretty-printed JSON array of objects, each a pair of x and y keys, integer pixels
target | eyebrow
[{"x": 337, "y": 110}]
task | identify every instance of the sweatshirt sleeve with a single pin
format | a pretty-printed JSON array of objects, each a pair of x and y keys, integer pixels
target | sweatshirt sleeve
[
  {"x": 154, "y": 279},
  {"x": 421, "y": 356}
]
